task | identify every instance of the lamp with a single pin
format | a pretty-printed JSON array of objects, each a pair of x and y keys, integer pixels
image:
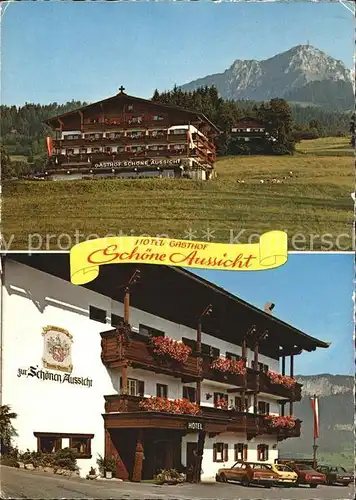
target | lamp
[{"x": 208, "y": 396}]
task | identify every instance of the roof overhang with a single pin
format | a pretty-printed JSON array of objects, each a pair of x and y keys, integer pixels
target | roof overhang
[{"x": 188, "y": 295}]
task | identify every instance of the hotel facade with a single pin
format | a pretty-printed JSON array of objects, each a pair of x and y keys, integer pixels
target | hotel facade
[
  {"x": 125, "y": 136},
  {"x": 150, "y": 365}
]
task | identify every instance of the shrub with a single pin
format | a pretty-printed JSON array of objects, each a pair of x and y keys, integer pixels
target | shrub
[
  {"x": 65, "y": 459},
  {"x": 171, "y": 476},
  {"x": 106, "y": 464}
]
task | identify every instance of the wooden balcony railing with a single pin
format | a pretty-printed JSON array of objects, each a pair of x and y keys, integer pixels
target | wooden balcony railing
[
  {"x": 265, "y": 385},
  {"x": 73, "y": 159},
  {"x": 122, "y": 124},
  {"x": 138, "y": 352},
  {"x": 232, "y": 420}
]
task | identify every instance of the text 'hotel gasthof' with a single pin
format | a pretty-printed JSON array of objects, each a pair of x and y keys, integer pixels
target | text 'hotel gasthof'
[{"x": 150, "y": 365}]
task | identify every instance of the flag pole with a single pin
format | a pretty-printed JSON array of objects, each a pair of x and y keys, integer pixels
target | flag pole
[{"x": 316, "y": 428}]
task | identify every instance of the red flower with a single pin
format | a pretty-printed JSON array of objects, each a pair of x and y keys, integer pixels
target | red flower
[
  {"x": 229, "y": 366},
  {"x": 277, "y": 378},
  {"x": 222, "y": 403},
  {"x": 280, "y": 422},
  {"x": 165, "y": 346},
  {"x": 178, "y": 406}
]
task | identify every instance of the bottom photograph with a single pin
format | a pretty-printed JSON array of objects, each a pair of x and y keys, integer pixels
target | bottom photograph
[{"x": 158, "y": 382}]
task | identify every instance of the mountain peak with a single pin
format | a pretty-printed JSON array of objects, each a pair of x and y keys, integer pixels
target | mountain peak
[{"x": 299, "y": 70}]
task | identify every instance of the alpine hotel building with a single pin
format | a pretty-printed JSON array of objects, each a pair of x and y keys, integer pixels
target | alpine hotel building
[
  {"x": 125, "y": 136},
  {"x": 150, "y": 365}
]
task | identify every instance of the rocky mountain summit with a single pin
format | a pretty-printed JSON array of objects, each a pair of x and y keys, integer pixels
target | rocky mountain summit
[{"x": 301, "y": 74}]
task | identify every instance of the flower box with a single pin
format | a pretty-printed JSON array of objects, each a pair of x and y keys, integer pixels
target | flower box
[
  {"x": 280, "y": 422},
  {"x": 177, "y": 406},
  {"x": 173, "y": 349},
  {"x": 226, "y": 365},
  {"x": 222, "y": 403},
  {"x": 278, "y": 378}
]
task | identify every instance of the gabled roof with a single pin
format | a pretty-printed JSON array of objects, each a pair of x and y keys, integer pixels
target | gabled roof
[{"x": 123, "y": 96}]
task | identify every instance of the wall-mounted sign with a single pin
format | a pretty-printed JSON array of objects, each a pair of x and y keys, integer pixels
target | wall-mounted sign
[
  {"x": 57, "y": 349},
  {"x": 138, "y": 163},
  {"x": 195, "y": 426},
  {"x": 34, "y": 371}
]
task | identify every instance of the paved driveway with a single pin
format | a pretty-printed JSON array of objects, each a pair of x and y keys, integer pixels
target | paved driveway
[{"x": 19, "y": 483}]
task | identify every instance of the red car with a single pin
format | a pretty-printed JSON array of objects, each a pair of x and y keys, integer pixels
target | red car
[{"x": 307, "y": 475}]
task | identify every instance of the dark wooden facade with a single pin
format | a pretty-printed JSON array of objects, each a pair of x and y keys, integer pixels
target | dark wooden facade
[
  {"x": 135, "y": 351},
  {"x": 129, "y": 136},
  {"x": 249, "y": 128}
]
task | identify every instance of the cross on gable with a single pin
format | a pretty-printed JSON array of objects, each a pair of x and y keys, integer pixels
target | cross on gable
[{"x": 121, "y": 89}]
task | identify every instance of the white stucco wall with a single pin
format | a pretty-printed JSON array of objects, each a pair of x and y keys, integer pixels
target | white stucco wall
[{"x": 33, "y": 300}]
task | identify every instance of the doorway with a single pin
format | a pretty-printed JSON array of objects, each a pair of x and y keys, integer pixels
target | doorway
[{"x": 191, "y": 461}]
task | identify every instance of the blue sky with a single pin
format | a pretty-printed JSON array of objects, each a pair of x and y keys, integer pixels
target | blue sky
[
  {"x": 312, "y": 292},
  {"x": 59, "y": 51}
]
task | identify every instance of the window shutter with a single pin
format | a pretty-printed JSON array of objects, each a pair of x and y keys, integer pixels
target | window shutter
[
  {"x": 185, "y": 392},
  {"x": 215, "y": 453},
  {"x": 266, "y": 452},
  {"x": 120, "y": 383},
  {"x": 259, "y": 452},
  {"x": 245, "y": 452},
  {"x": 226, "y": 452},
  {"x": 267, "y": 408},
  {"x": 236, "y": 449},
  {"x": 141, "y": 388}
]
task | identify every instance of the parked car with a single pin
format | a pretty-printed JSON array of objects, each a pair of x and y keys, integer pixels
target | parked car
[
  {"x": 306, "y": 474},
  {"x": 249, "y": 473},
  {"x": 287, "y": 477},
  {"x": 336, "y": 475}
]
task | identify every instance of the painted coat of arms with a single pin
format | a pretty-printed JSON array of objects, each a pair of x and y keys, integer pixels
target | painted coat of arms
[{"x": 57, "y": 349}]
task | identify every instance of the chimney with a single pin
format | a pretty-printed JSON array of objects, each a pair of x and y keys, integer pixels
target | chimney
[{"x": 269, "y": 307}]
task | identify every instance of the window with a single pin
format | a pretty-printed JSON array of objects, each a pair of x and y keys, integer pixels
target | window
[
  {"x": 208, "y": 350},
  {"x": 263, "y": 408},
  {"x": 116, "y": 320},
  {"x": 239, "y": 404},
  {"x": 220, "y": 452},
  {"x": 218, "y": 396},
  {"x": 241, "y": 450},
  {"x": 262, "y": 452},
  {"x": 162, "y": 391},
  {"x": 82, "y": 445},
  {"x": 235, "y": 357},
  {"x": 97, "y": 314},
  {"x": 134, "y": 387},
  {"x": 191, "y": 343},
  {"x": 149, "y": 331},
  {"x": 189, "y": 393},
  {"x": 48, "y": 442}
]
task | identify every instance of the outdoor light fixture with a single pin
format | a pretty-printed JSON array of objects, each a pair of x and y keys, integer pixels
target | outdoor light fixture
[{"x": 208, "y": 396}]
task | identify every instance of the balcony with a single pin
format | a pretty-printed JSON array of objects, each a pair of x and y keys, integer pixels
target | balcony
[
  {"x": 292, "y": 394},
  {"x": 121, "y": 123},
  {"x": 87, "y": 158},
  {"x": 221, "y": 420},
  {"x": 137, "y": 351}
]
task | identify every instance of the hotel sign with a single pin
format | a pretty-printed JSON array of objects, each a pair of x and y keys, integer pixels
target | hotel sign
[
  {"x": 62, "y": 378},
  {"x": 195, "y": 426},
  {"x": 139, "y": 163}
]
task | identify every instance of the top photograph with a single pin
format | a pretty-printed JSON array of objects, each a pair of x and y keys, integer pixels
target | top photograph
[{"x": 202, "y": 121}]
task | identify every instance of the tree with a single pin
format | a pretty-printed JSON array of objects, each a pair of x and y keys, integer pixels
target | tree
[
  {"x": 5, "y": 165},
  {"x": 7, "y": 430},
  {"x": 278, "y": 120}
]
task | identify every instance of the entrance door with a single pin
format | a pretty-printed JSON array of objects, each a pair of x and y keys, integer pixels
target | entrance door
[{"x": 191, "y": 461}]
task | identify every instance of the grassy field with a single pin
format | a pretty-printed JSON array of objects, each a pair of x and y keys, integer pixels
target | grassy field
[{"x": 312, "y": 198}]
